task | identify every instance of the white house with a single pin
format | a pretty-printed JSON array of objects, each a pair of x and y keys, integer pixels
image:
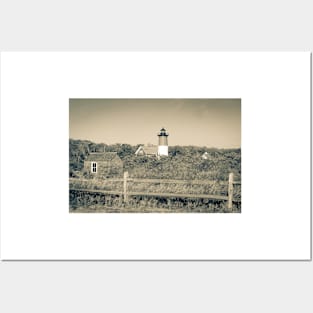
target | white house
[
  {"x": 205, "y": 156},
  {"x": 148, "y": 150}
]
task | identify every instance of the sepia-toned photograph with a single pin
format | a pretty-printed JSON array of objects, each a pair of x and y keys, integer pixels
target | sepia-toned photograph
[{"x": 155, "y": 155}]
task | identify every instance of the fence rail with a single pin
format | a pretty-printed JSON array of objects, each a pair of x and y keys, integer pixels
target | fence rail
[
  {"x": 126, "y": 180},
  {"x": 164, "y": 181},
  {"x": 155, "y": 194}
]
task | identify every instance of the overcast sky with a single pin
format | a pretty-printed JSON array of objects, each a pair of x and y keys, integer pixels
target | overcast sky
[{"x": 199, "y": 122}]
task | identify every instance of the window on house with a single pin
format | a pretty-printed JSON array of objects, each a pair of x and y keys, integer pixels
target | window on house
[{"x": 93, "y": 167}]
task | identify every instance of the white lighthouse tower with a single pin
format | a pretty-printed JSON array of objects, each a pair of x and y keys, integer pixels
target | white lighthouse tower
[{"x": 163, "y": 144}]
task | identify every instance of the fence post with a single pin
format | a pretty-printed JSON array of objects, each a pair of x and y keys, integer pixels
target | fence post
[
  {"x": 230, "y": 191},
  {"x": 125, "y": 186}
]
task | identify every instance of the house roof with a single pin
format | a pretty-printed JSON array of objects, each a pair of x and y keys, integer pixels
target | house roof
[
  {"x": 147, "y": 150},
  {"x": 101, "y": 156}
]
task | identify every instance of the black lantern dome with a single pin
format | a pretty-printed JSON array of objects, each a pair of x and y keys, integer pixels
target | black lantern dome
[{"x": 163, "y": 132}]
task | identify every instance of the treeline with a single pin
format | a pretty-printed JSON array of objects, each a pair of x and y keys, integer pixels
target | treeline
[{"x": 183, "y": 162}]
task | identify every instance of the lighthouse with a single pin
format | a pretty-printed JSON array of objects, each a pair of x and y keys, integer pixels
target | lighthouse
[{"x": 163, "y": 144}]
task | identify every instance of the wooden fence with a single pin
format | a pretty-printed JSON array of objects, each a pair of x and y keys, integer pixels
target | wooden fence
[{"x": 126, "y": 180}]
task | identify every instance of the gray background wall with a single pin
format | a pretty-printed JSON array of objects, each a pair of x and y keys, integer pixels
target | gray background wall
[{"x": 156, "y": 286}]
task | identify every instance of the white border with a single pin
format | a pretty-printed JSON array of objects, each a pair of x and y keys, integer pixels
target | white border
[{"x": 275, "y": 93}]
